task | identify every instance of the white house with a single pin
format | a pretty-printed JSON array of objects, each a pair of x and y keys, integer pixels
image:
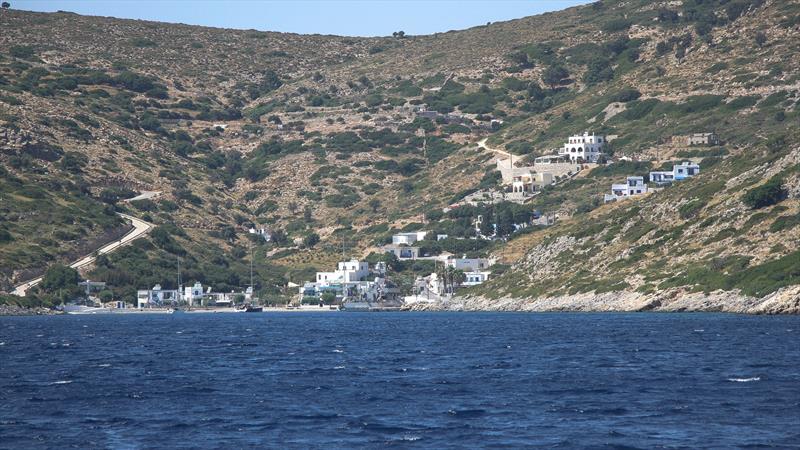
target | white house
[
  {"x": 686, "y": 169},
  {"x": 408, "y": 238},
  {"x": 193, "y": 294},
  {"x": 349, "y": 283},
  {"x": 226, "y": 298},
  {"x": 156, "y": 297},
  {"x": 263, "y": 232},
  {"x": 468, "y": 264},
  {"x": 633, "y": 186},
  {"x": 346, "y": 272},
  {"x": 475, "y": 277},
  {"x": 586, "y": 147},
  {"x": 402, "y": 251},
  {"x": 530, "y": 181}
]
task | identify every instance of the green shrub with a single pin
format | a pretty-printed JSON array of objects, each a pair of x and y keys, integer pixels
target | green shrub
[
  {"x": 614, "y": 25},
  {"x": 691, "y": 208},
  {"x": 785, "y": 223},
  {"x": 21, "y": 51},
  {"x": 626, "y": 95},
  {"x": 767, "y": 194},
  {"x": 143, "y": 42}
]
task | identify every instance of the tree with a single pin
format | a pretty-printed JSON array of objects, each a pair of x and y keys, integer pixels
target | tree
[
  {"x": 760, "y": 38},
  {"x": 328, "y": 297},
  {"x": 598, "y": 71},
  {"x": 776, "y": 144},
  {"x": 441, "y": 274},
  {"x": 311, "y": 239},
  {"x": 60, "y": 277},
  {"x": 535, "y": 91},
  {"x": 767, "y": 194},
  {"x": 399, "y": 34},
  {"x": 106, "y": 296},
  {"x": 279, "y": 236},
  {"x": 505, "y": 222},
  {"x": 521, "y": 59},
  {"x": 6, "y": 5},
  {"x": 553, "y": 75},
  {"x": 487, "y": 226},
  {"x": 374, "y": 204},
  {"x": 458, "y": 277}
]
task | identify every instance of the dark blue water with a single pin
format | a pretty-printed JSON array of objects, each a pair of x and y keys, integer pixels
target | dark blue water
[{"x": 407, "y": 380}]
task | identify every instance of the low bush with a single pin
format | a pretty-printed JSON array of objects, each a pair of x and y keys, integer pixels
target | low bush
[{"x": 769, "y": 193}]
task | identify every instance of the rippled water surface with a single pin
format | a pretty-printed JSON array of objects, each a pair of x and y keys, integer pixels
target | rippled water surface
[{"x": 445, "y": 380}]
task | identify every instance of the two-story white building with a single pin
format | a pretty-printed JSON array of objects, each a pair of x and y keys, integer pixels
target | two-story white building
[
  {"x": 632, "y": 187},
  {"x": 408, "y": 238},
  {"x": 583, "y": 147},
  {"x": 686, "y": 169},
  {"x": 530, "y": 182},
  {"x": 346, "y": 272},
  {"x": 193, "y": 294},
  {"x": 157, "y": 297}
]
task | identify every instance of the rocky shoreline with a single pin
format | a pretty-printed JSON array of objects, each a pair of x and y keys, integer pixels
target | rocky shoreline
[
  {"x": 783, "y": 301},
  {"x": 9, "y": 310}
]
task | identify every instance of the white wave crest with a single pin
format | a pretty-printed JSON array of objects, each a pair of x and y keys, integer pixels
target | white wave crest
[{"x": 744, "y": 380}]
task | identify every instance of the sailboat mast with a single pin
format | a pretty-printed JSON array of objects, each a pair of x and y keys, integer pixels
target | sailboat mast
[{"x": 180, "y": 283}]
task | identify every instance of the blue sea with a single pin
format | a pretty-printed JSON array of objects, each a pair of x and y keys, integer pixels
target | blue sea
[{"x": 405, "y": 380}]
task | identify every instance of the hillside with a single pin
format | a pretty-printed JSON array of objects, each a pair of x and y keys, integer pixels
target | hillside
[{"x": 317, "y": 138}]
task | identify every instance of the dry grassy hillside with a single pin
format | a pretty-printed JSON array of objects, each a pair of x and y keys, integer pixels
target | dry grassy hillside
[{"x": 318, "y": 139}]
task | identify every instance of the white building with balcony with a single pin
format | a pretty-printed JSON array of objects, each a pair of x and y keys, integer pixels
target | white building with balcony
[
  {"x": 346, "y": 272},
  {"x": 530, "y": 181},
  {"x": 157, "y": 297},
  {"x": 583, "y": 147},
  {"x": 686, "y": 169},
  {"x": 632, "y": 187},
  {"x": 408, "y": 238}
]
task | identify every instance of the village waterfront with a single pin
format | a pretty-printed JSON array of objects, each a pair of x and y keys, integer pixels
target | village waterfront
[{"x": 422, "y": 380}]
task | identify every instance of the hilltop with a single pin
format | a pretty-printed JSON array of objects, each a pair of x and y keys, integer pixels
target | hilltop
[{"x": 320, "y": 140}]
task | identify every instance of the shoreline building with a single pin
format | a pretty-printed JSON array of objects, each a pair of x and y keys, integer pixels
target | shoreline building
[
  {"x": 350, "y": 282},
  {"x": 347, "y": 272},
  {"x": 632, "y": 187},
  {"x": 156, "y": 297},
  {"x": 586, "y": 147}
]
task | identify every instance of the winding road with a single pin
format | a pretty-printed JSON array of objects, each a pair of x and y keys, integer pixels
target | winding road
[
  {"x": 482, "y": 144},
  {"x": 140, "y": 228}
]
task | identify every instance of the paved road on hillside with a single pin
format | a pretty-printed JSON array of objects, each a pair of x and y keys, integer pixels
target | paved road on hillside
[{"x": 140, "y": 228}]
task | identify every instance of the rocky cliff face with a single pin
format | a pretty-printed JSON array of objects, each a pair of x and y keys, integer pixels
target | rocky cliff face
[{"x": 783, "y": 301}]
